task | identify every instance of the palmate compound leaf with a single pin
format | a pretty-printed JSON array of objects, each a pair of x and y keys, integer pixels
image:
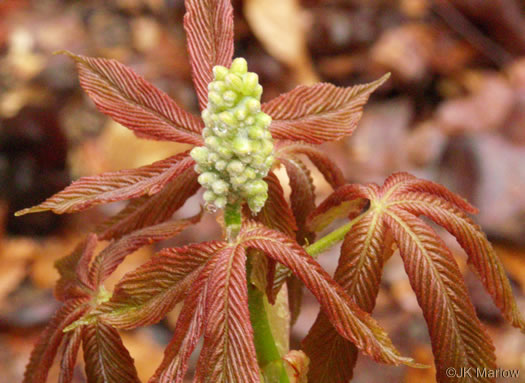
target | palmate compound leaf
[
  {"x": 481, "y": 255},
  {"x": 188, "y": 330},
  {"x": 48, "y": 344},
  {"x": 133, "y": 102},
  {"x": 458, "y": 339},
  {"x": 350, "y": 321},
  {"x": 209, "y": 30},
  {"x": 328, "y": 168},
  {"x": 146, "y": 295},
  {"x": 107, "y": 360},
  {"x": 318, "y": 113},
  {"x": 69, "y": 355},
  {"x": 228, "y": 352},
  {"x": 73, "y": 271},
  {"x": 114, "y": 186},
  {"x": 108, "y": 259},
  {"x": 151, "y": 210},
  {"x": 359, "y": 273},
  {"x": 275, "y": 214}
]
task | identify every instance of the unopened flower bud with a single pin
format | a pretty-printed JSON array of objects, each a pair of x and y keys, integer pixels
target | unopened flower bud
[{"x": 239, "y": 66}]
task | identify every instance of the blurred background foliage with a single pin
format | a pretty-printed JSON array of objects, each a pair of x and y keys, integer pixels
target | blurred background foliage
[{"x": 453, "y": 111}]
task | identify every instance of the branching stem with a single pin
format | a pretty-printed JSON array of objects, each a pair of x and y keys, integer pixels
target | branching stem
[{"x": 332, "y": 238}]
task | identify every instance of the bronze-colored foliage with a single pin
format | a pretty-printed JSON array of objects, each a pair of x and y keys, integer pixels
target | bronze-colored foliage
[{"x": 211, "y": 279}]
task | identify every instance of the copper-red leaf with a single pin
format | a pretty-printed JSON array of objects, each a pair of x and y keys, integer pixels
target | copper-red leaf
[
  {"x": 107, "y": 360},
  {"x": 458, "y": 338},
  {"x": 319, "y": 113},
  {"x": 359, "y": 273},
  {"x": 331, "y": 172},
  {"x": 133, "y": 102},
  {"x": 209, "y": 29},
  {"x": 228, "y": 353},
  {"x": 349, "y": 320},
  {"x": 114, "y": 186},
  {"x": 69, "y": 355},
  {"x": 147, "y": 210},
  {"x": 73, "y": 268},
  {"x": 47, "y": 346},
  {"x": 188, "y": 330},
  {"x": 108, "y": 259},
  {"x": 481, "y": 255},
  {"x": 146, "y": 295}
]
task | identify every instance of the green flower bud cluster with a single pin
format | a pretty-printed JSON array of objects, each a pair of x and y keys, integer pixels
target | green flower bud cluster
[{"x": 238, "y": 147}]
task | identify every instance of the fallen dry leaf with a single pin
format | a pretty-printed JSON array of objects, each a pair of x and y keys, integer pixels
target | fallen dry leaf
[{"x": 280, "y": 26}]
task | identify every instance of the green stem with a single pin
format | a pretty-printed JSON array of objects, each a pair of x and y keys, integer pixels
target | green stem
[
  {"x": 232, "y": 220},
  {"x": 268, "y": 355},
  {"x": 332, "y": 238}
]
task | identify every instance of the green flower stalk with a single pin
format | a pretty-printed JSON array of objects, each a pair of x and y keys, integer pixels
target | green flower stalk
[{"x": 238, "y": 150}]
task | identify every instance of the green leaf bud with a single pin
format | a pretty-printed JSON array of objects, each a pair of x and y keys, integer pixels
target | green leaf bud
[
  {"x": 207, "y": 178},
  {"x": 213, "y": 157},
  {"x": 263, "y": 120},
  {"x": 219, "y": 187},
  {"x": 241, "y": 113},
  {"x": 239, "y": 66},
  {"x": 249, "y": 173},
  {"x": 220, "y": 72},
  {"x": 235, "y": 167},
  {"x": 255, "y": 132},
  {"x": 229, "y": 96},
  {"x": 212, "y": 142},
  {"x": 253, "y": 105},
  {"x": 238, "y": 146},
  {"x": 242, "y": 146},
  {"x": 257, "y": 92},
  {"x": 199, "y": 154},
  {"x": 250, "y": 81},
  {"x": 220, "y": 202},
  {"x": 238, "y": 181},
  {"x": 225, "y": 152},
  {"x": 221, "y": 165},
  {"x": 267, "y": 147},
  {"x": 228, "y": 118},
  {"x": 216, "y": 98},
  {"x": 234, "y": 82},
  {"x": 255, "y": 187},
  {"x": 209, "y": 196}
]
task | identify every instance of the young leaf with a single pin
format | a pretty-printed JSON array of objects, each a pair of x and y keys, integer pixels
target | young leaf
[
  {"x": 47, "y": 346},
  {"x": 108, "y": 259},
  {"x": 188, "y": 330},
  {"x": 458, "y": 338},
  {"x": 107, "y": 360},
  {"x": 359, "y": 273},
  {"x": 146, "y": 295},
  {"x": 302, "y": 197},
  {"x": 228, "y": 353},
  {"x": 276, "y": 213},
  {"x": 114, "y": 186},
  {"x": 74, "y": 282},
  {"x": 133, "y": 102},
  {"x": 147, "y": 211},
  {"x": 331, "y": 172},
  {"x": 349, "y": 320},
  {"x": 348, "y": 200},
  {"x": 209, "y": 29},
  {"x": 69, "y": 355},
  {"x": 481, "y": 255},
  {"x": 318, "y": 113}
]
